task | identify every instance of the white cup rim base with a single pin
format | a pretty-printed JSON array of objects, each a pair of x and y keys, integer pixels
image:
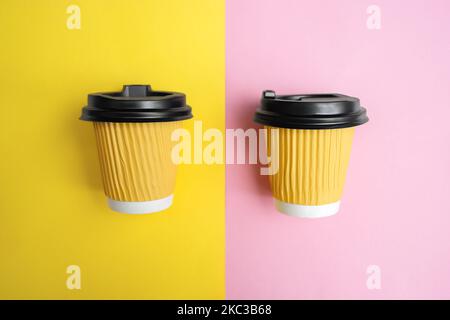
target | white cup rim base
[
  {"x": 141, "y": 207},
  {"x": 304, "y": 211}
]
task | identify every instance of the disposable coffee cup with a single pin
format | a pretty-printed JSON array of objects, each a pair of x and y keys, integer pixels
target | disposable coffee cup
[
  {"x": 313, "y": 143},
  {"x": 133, "y": 130}
]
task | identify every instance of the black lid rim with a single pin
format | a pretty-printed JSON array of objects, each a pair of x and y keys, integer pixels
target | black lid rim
[
  {"x": 135, "y": 120},
  {"x": 162, "y": 115},
  {"x": 310, "y": 126}
]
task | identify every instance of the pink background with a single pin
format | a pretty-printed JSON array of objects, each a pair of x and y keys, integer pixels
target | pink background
[{"x": 396, "y": 210}]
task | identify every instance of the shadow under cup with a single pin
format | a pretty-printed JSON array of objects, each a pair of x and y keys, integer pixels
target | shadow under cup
[
  {"x": 133, "y": 131},
  {"x": 310, "y": 136}
]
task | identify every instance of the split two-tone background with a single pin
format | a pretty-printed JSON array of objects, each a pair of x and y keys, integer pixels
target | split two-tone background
[{"x": 223, "y": 238}]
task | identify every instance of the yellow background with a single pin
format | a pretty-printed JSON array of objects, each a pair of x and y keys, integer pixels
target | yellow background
[{"x": 52, "y": 208}]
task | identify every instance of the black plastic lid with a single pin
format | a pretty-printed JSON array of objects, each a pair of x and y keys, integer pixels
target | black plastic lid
[
  {"x": 310, "y": 111},
  {"x": 136, "y": 103}
]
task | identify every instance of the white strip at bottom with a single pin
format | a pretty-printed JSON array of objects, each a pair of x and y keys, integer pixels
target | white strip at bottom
[
  {"x": 140, "y": 207},
  {"x": 299, "y": 210}
]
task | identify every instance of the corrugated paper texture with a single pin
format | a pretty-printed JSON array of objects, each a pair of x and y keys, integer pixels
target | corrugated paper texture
[
  {"x": 135, "y": 159},
  {"x": 312, "y": 165}
]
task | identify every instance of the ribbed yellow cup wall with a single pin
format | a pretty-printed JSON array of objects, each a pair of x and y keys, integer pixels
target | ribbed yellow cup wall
[
  {"x": 135, "y": 159},
  {"x": 312, "y": 165}
]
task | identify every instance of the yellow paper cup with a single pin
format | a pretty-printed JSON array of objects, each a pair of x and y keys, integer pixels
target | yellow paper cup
[
  {"x": 311, "y": 170},
  {"x": 137, "y": 170},
  {"x": 133, "y": 131},
  {"x": 312, "y": 137}
]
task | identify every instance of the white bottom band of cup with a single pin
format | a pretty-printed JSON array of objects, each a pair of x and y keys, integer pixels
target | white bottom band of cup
[
  {"x": 141, "y": 207},
  {"x": 299, "y": 210}
]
